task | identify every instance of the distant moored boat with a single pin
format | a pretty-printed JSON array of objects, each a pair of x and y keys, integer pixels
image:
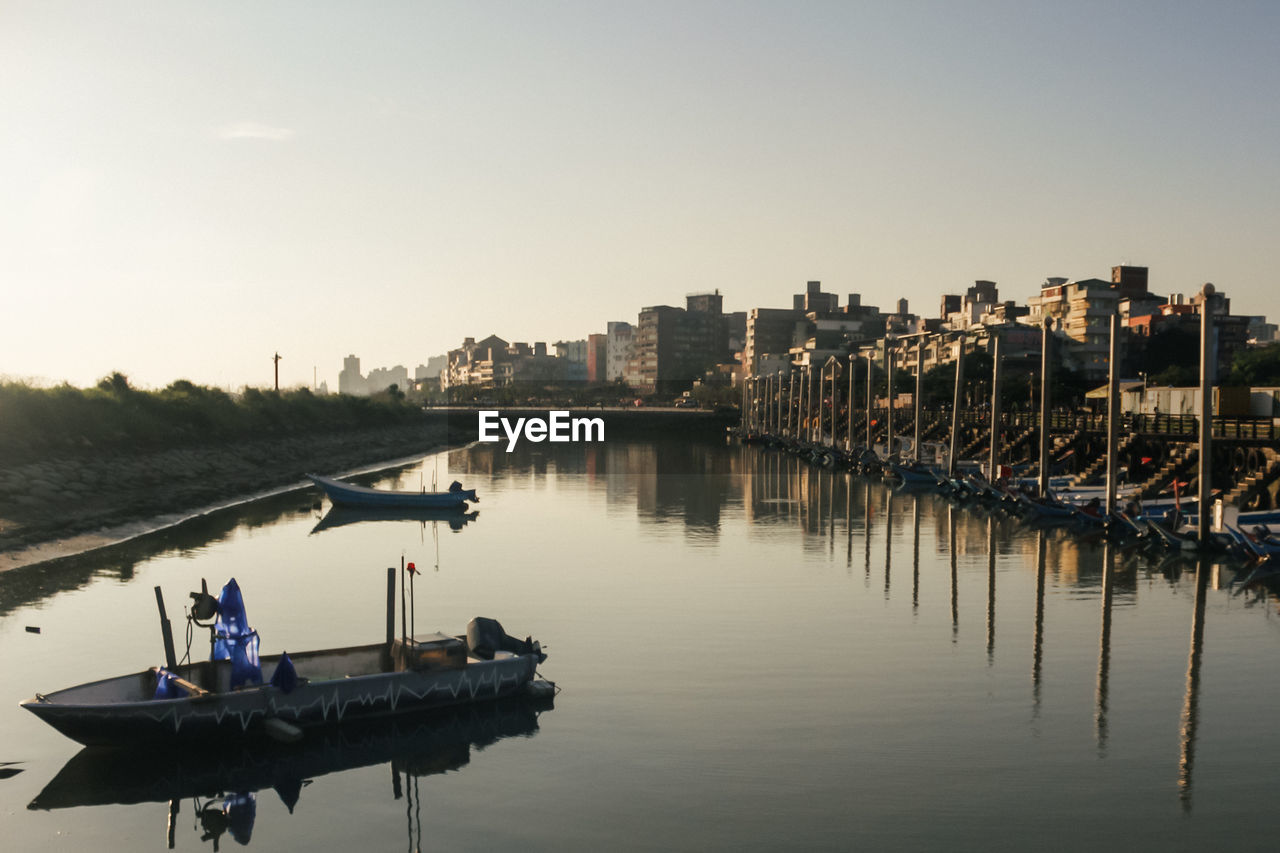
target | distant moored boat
[{"x": 347, "y": 494}]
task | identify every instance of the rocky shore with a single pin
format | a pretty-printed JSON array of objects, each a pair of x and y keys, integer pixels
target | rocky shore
[{"x": 47, "y": 501}]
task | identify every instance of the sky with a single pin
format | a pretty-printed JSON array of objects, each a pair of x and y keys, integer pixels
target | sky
[{"x": 189, "y": 188}]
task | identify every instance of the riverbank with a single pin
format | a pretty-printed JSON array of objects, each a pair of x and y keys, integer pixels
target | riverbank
[
  {"x": 62, "y": 505},
  {"x": 56, "y": 507}
]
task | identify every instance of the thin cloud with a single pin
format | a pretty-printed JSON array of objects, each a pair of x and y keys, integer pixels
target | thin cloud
[{"x": 253, "y": 130}]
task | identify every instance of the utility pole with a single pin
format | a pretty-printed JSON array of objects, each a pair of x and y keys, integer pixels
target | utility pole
[{"x": 276, "y": 358}]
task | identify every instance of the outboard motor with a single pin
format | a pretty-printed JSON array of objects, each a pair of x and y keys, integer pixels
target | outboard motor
[{"x": 485, "y": 636}]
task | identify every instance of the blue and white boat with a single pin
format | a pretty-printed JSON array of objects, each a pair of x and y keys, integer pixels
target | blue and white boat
[
  {"x": 228, "y": 698},
  {"x": 347, "y": 494}
]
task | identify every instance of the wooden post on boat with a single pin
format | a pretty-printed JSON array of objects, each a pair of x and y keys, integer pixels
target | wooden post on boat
[
  {"x": 888, "y": 399},
  {"x": 1113, "y": 416},
  {"x": 848, "y": 435},
  {"x": 404, "y": 627},
  {"x": 166, "y": 631},
  {"x": 391, "y": 602},
  {"x": 993, "y": 456},
  {"x": 955, "y": 409},
  {"x": 1046, "y": 367},
  {"x": 915, "y": 440},
  {"x": 1208, "y": 375}
]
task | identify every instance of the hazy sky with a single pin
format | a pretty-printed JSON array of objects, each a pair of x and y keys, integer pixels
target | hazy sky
[{"x": 189, "y": 187}]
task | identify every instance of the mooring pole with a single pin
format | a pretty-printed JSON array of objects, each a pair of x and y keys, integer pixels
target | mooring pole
[
  {"x": 1113, "y": 416},
  {"x": 1208, "y": 375},
  {"x": 835, "y": 367},
  {"x": 848, "y": 436},
  {"x": 870, "y": 391},
  {"x": 777, "y": 414},
  {"x": 404, "y": 627},
  {"x": 792, "y": 407},
  {"x": 915, "y": 441},
  {"x": 1046, "y": 368},
  {"x": 955, "y": 409},
  {"x": 993, "y": 456},
  {"x": 803, "y": 413},
  {"x": 888, "y": 399}
]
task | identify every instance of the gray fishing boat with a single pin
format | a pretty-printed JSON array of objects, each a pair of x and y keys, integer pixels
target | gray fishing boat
[{"x": 228, "y": 697}]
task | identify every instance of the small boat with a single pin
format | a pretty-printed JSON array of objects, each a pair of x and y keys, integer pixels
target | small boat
[
  {"x": 227, "y": 697},
  {"x": 347, "y": 494},
  {"x": 913, "y": 475}
]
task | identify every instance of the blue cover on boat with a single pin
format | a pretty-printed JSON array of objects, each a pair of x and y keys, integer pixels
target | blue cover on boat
[
  {"x": 234, "y": 639},
  {"x": 285, "y": 677},
  {"x": 165, "y": 688}
]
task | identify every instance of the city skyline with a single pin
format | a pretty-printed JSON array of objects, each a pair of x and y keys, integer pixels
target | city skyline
[{"x": 195, "y": 188}]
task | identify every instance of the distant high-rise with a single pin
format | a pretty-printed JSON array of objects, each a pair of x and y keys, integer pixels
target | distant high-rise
[
  {"x": 597, "y": 358},
  {"x": 621, "y": 337},
  {"x": 813, "y": 299},
  {"x": 1130, "y": 281},
  {"x": 350, "y": 380}
]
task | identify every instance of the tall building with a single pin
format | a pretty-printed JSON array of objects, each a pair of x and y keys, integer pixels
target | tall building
[
  {"x": 621, "y": 336},
  {"x": 597, "y": 358},
  {"x": 813, "y": 299},
  {"x": 770, "y": 331},
  {"x": 350, "y": 380},
  {"x": 674, "y": 346}
]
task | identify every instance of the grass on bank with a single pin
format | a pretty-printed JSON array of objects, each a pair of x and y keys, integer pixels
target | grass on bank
[{"x": 37, "y": 421}]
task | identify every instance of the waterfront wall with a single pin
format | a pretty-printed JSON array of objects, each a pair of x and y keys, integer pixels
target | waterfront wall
[{"x": 58, "y": 495}]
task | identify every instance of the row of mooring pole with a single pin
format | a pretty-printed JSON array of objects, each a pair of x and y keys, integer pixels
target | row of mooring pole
[{"x": 799, "y": 415}]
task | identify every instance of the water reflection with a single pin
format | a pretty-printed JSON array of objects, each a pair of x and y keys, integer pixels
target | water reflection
[
  {"x": 223, "y": 785},
  {"x": 1191, "y": 703},
  {"x": 340, "y": 516},
  {"x": 1104, "y": 651},
  {"x": 761, "y": 508}
]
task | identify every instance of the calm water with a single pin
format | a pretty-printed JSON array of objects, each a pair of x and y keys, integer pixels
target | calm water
[{"x": 754, "y": 655}]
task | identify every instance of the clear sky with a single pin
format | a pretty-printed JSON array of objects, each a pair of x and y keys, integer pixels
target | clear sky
[{"x": 190, "y": 187}]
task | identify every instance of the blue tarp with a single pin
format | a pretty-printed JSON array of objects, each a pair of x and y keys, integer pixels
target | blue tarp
[
  {"x": 285, "y": 678},
  {"x": 234, "y": 639},
  {"x": 165, "y": 688}
]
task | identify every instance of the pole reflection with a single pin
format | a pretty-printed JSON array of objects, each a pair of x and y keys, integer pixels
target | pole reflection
[
  {"x": 991, "y": 590},
  {"x": 1191, "y": 705},
  {"x": 955, "y": 598},
  {"x": 888, "y": 541},
  {"x": 1104, "y": 651},
  {"x": 1038, "y": 653},
  {"x": 915, "y": 555}
]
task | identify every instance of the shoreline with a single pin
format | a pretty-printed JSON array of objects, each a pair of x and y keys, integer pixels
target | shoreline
[{"x": 92, "y": 540}]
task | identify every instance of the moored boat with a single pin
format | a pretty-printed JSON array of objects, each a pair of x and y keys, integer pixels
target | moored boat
[
  {"x": 350, "y": 495},
  {"x": 228, "y": 698}
]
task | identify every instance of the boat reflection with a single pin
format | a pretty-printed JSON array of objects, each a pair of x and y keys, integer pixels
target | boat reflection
[
  {"x": 223, "y": 784},
  {"x": 339, "y": 516}
]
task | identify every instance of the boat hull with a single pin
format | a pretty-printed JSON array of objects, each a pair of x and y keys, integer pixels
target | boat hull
[
  {"x": 347, "y": 495},
  {"x": 245, "y": 713}
]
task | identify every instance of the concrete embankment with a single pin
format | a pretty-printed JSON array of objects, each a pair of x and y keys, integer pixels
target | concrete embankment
[
  {"x": 58, "y": 506},
  {"x": 83, "y": 497}
]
